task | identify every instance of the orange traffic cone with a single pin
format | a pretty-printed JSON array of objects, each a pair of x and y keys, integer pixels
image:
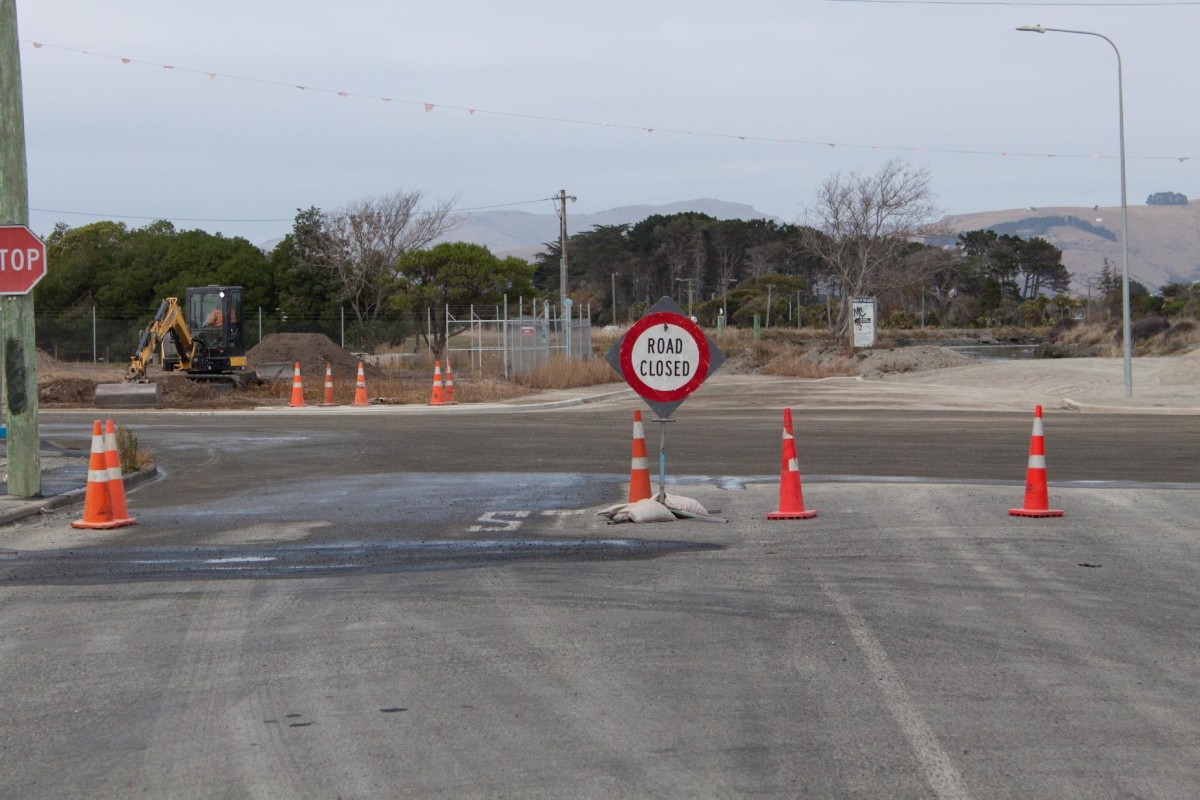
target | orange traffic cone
[
  {"x": 791, "y": 498},
  {"x": 449, "y": 384},
  {"x": 438, "y": 397},
  {"x": 97, "y": 504},
  {"x": 297, "y": 388},
  {"x": 328, "y": 385},
  {"x": 360, "y": 388},
  {"x": 116, "y": 481},
  {"x": 1037, "y": 499},
  {"x": 639, "y": 464}
]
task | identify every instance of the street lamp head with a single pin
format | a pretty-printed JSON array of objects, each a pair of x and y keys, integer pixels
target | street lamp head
[{"x": 1031, "y": 28}]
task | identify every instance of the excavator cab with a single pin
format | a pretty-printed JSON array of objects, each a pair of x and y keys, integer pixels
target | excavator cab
[{"x": 214, "y": 316}]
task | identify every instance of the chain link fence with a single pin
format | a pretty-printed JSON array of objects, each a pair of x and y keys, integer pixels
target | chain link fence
[
  {"x": 517, "y": 338},
  {"x": 510, "y": 338}
]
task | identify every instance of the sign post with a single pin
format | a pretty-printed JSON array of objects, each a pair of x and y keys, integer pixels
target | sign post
[{"x": 664, "y": 357}]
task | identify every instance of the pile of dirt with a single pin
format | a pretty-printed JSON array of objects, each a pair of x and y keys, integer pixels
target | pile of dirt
[
  {"x": 877, "y": 363},
  {"x": 312, "y": 351},
  {"x": 65, "y": 392},
  {"x": 182, "y": 392}
]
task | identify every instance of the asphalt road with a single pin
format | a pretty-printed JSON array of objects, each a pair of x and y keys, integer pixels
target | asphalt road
[{"x": 426, "y": 606}]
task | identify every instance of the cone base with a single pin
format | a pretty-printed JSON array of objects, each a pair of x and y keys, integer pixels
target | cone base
[
  {"x": 792, "y": 514},
  {"x": 116, "y": 523},
  {"x": 443, "y": 403},
  {"x": 356, "y": 403},
  {"x": 1033, "y": 512}
]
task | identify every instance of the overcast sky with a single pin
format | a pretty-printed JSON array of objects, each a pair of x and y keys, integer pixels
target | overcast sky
[{"x": 553, "y": 84}]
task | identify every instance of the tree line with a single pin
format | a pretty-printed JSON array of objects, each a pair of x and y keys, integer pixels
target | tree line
[{"x": 864, "y": 234}]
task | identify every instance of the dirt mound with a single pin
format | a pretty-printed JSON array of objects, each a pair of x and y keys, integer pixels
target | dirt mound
[
  {"x": 312, "y": 351},
  {"x": 66, "y": 391}
]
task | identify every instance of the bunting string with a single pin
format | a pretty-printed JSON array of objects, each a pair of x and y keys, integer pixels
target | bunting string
[{"x": 429, "y": 107}]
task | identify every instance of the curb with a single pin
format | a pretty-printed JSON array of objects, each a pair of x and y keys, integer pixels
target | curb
[
  {"x": 1093, "y": 408},
  {"x": 35, "y": 506}
]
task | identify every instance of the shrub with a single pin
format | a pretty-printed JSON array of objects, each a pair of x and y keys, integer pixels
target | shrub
[
  {"x": 1145, "y": 328},
  {"x": 133, "y": 457}
]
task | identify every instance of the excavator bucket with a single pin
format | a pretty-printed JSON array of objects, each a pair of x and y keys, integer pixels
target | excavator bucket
[{"x": 128, "y": 395}]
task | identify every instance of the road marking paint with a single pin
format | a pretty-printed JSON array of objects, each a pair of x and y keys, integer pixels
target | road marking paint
[
  {"x": 491, "y": 519},
  {"x": 936, "y": 768},
  {"x": 239, "y": 560},
  {"x": 563, "y": 512}
]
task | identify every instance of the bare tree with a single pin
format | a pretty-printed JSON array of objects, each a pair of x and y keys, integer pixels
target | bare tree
[
  {"x": 868, "y": 222},
  {"x": 362, "y": 243}
]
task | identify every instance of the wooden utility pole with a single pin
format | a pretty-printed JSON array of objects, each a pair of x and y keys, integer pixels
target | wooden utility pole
[
  {"x": 563, "y": 293},
  {"x": 20, "y": 349}
]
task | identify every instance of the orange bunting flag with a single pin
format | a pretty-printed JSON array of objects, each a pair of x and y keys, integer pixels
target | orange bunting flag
[
  {"x": 428, "y": 107},
  {"x": 343, "y": 94},
  {"x": 124, "y": 60}
]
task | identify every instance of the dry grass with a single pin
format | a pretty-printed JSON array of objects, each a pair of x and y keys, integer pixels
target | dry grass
[
  {"x": 810, "y": 365},
  {"x": 1103, "y": 340},
  {"x": 559, "y": 373},
  {"x": 1093, "y": 335}
]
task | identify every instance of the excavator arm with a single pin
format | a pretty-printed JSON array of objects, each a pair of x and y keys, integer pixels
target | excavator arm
[{"x": 168, "y": 322}]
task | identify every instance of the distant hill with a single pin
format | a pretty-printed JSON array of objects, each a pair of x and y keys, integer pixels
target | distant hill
[
  {"x": 1164, "y": 240},
  {"x": 525, "y": 234}
]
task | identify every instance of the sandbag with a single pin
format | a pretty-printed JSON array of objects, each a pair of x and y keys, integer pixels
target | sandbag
[{"x": 641, "y": 511}]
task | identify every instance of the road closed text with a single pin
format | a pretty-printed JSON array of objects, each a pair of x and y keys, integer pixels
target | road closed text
[{"x": 658, "y": 362}]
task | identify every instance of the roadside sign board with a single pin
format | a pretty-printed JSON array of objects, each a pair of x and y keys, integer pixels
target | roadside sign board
[
  {"x": 22, "y": 259},
  {"x": 863, "y": 319},
  {"x": 664, "y": 357}
]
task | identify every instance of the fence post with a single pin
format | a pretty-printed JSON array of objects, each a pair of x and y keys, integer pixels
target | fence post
[
  {"x": 93, "y": 333},
  {"x": 342, "y": 309},
  {"x": 260, "y": 324}
]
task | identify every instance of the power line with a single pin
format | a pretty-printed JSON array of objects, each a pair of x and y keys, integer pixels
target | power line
[{"x": 263, "y": 219}]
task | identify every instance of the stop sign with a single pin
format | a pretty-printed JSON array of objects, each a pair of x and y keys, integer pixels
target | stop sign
[{"x": 22, "y": 259}]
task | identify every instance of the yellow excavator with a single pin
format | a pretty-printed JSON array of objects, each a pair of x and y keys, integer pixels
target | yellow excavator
[{"x": 203, "y": 339}]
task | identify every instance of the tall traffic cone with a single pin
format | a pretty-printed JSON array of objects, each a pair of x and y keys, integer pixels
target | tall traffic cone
[
  {"x": 297, "y": 388},
  {"x": 1037, "y": 499},
  {"x": 449, "y": 384},
  {"x": 116, "y": 481},
  {"x": 328, "y": 385},
  {"x": 639, "y": 465},
  {"x": 791, "y": 498},
  {"x": 97, "y": 503},
  {"x": 360, "y": 388},
  {"x": 438, "y": 397}
]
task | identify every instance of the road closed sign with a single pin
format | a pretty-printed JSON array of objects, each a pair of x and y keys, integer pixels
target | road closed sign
[{"x": 664, "y": 357}]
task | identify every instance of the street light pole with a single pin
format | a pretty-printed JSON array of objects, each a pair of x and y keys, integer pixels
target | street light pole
[{"x": 1127, "y": 335}]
